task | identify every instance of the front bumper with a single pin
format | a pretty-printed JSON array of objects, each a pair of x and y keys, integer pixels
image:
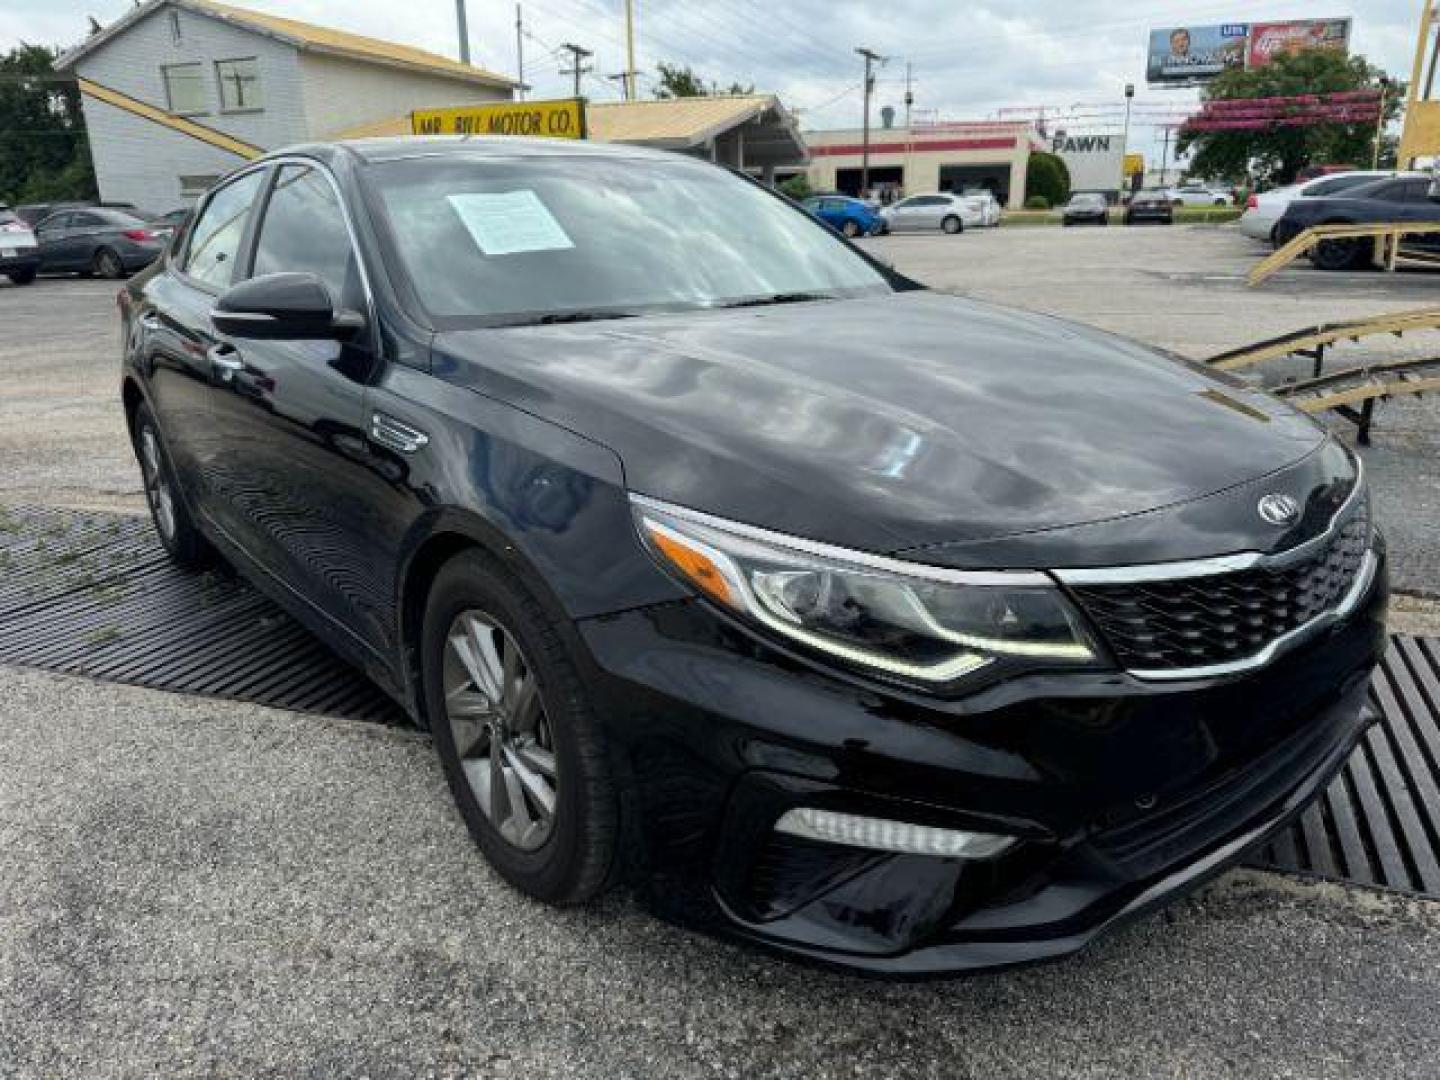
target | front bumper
[{"x": 1123, "y": 793}]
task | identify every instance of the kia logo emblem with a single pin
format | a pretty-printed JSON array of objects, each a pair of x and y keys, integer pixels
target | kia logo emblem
[{"x": 1279, "y": 509}]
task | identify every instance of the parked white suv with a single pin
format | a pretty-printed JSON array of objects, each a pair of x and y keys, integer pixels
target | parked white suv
[
  {"x": 1263, "y": 212},
  {"x": 987, "y": 202}
]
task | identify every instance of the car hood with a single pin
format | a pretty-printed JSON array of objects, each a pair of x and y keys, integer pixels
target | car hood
[{"x": 888, "y": 423}]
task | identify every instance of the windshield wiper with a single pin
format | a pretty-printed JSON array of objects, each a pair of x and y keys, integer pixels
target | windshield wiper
[
  {"x": 553, "y": 317},
  {"x": 780, "y": 298}
]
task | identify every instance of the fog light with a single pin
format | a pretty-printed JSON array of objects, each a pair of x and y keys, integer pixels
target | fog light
[{"x": 880, "y": 834}]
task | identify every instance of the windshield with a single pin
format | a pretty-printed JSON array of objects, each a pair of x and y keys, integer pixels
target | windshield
[
  {"x": 490, "y": 242},
  {"x": 1087, "y": 200}
]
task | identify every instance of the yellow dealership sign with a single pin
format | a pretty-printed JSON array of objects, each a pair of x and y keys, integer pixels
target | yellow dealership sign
[
  {"x": 1134, "y": 163},
  {"x": 560, "y": 119}
]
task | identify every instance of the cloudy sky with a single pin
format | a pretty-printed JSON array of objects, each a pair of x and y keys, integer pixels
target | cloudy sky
[{"x": 973, "y": 60}]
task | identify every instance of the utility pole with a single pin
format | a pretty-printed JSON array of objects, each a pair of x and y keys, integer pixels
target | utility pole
[
  {"x": 629, "y": 50},
  {"x": 1125, "y": 139},
  {"x": 871, "y": 57},
  {"x": 1164, "y": 154},
  {"x": 464, "y": 30},
  {"x": 577, "y": 54},
  {"x": 909, "y": 97},
  {"x": 519, "y": 52},
  {"x": 1380, "y": 120}
]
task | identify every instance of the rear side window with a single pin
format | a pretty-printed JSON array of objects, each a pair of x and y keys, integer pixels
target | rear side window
[
  {"x": 304, "y": 232},
  {"x": 1337, "y": 184},
  {"x": 215, "y": 239}
]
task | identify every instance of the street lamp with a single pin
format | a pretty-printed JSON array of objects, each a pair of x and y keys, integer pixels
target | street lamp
[{"x": 1125, "y": 139}]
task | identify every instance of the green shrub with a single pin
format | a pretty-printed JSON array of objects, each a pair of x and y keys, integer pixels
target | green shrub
[
  {"x": 797, "y": 187},
  {"x": 1048, "y": 177},
  {"x": 1037, "y": 202}
]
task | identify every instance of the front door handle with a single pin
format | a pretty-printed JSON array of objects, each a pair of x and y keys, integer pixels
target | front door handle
[{"x": 226, "y": 361}]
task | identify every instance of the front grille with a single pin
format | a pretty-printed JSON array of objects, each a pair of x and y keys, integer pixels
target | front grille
[{"x": 1223, "y": 618}]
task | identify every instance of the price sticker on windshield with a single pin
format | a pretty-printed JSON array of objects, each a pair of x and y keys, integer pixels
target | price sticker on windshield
[{"x": 509, "y": 222}]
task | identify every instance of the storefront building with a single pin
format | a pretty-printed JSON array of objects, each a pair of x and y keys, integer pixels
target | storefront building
[{"x": 934, "y": 157}]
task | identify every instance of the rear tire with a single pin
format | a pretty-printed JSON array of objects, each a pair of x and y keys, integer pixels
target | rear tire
[
  {"x": 850, "y": 229},
  {"x": 173, "y": 524},
  {"x": 952, "y": 225},
  {"x": 107, "y": 264},
  {"x": 23, "y": 277},
  {"x": 484, "y": 632}
]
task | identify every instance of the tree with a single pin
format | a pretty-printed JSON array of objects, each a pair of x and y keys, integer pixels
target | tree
[
  {"x": 681, "y": 82},
  {"x": 1047, "y": 177},
  {"x": 1275, "y": 154},
  {"x": 44, "y": 156}
]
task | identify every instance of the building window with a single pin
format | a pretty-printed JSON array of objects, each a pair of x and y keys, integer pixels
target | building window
[
  {"x": 192, "y": 187},
  {"x": 174, "y": 27},
  {"x": 185, "y": 88},
  {"x": 239, "y": 84}
]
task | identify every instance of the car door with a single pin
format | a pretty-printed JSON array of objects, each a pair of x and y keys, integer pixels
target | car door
[
  {"x": 176, "y": 341},
  {"x": 85, "y": 234},
  {"x": 300, "y": 486},
  {"x": 902, "y": 214},
  {"x": 51, "y": 234}
]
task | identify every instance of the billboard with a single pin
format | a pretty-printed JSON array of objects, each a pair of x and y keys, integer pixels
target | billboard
[
  {"x": 1269, "y": 40},
  {"x": 1184, "y": 54}
]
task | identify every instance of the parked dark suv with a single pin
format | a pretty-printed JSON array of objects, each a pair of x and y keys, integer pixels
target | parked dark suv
[{"x": 880, "y": 626}]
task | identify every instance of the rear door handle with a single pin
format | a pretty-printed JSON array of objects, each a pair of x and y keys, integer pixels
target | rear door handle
[{"x": 226, "y": 361}]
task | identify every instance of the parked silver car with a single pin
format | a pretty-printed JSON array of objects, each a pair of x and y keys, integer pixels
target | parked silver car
[
  {"x": 939, "y": 212},
  {"x": 97, "y": 240}
]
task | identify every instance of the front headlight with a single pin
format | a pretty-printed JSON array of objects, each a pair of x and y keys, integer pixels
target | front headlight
[{"x": 918, "y": 622}]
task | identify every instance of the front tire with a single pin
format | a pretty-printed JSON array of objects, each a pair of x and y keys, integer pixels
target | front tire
[
  {"x": 173, "y": 524},
  {"x": 952, "y": 225},
  {"x": 23, "y": 277},
  {"x": 522, "y": 749},
  {"x": 850, "y": 229}
]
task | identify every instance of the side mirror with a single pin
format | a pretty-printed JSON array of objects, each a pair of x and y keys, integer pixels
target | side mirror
[{"x": 284, "y": 307}]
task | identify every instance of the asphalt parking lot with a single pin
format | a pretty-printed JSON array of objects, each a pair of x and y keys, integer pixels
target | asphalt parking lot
[{"x": 190, "y": 886}]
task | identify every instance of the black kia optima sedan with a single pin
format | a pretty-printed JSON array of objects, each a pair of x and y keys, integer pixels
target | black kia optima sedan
[{"x": 889, "y": 629}]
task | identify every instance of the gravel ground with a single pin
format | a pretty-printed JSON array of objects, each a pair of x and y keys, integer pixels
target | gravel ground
[
  {"x": 62, "y": 435},
  {"x": 195, "y": 887}
]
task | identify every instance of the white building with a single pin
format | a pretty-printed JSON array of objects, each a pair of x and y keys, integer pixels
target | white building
[{"x": 177, "y": 93}]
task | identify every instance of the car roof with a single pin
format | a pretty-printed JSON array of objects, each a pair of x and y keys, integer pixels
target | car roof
[
  {"x": 497, "y": 146},
  {"x": 1365, "y": 190}
]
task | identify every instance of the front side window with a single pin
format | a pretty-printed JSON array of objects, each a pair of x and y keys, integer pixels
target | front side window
[
  {"x": 185, "y": 88},
  {"x": 304, "y": 232},
  {"x": 487, "y": 241},
  {"x": 215, "y": 238},
  {"x": 239, "y": 84}
]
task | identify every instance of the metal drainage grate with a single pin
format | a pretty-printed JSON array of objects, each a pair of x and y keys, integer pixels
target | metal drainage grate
[
  {"x": 94, "y": 594},
  {"x": 1379, "y": 822}
]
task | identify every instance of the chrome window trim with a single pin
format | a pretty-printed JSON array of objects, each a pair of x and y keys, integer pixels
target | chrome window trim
[
  {"x": 1143, "y": 573},
  {"x": 1361, "y": 585},
  {"x": 862, "y": 559}
]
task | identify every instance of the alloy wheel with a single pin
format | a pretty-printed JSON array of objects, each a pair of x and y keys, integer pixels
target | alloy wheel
[
  {"x": 157, "y": 487},
  {"x": 500, "y": 728}
]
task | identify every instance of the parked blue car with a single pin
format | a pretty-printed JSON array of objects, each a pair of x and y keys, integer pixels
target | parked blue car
[{"x": 844, "y": 214}]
